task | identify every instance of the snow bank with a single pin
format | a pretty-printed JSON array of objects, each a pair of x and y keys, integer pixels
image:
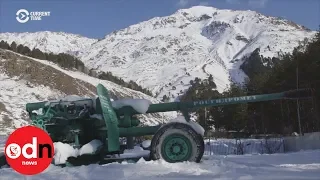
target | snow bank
[
  {"x": 38, "y": 112},
  {"x": 146, "y": 144},
  {"x": 135, "y": 152},
  {"x": 90, "y": 147},
  {"x": 64, "y": 151},
  {"x": 140, "y": 105},
  {"x": 306, "y": 142},
  {"x": 73, "y": 98},
  {"x": 293, "y": 166},
  {"x": 135, "y": 149},
  {"x": 198, "y": 128}
]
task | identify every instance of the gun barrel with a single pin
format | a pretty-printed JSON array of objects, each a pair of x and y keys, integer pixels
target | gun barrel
[
  {"x": 176, "y": 106},
  {"x": 35, "y": 106}
]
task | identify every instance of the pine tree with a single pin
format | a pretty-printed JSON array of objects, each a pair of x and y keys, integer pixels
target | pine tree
[
  {"x": 36, "y": 53},
  {"x": 20, "y": 48},
  {"x": 13, "y": 46},
  {"x": 4, "y": 45},
  {"x": 275, "y": 116}
]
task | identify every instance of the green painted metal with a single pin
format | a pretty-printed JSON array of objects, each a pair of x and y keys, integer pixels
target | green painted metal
[
  {"x": 35, "y": 106},
  {"x": 138, "y": 131},
  {"x": 110, "y": 118},
  {"x": 72, "y": 122},
  {"x": 177, "y": 106},
  {"x": 176, "y": 148},
  {"x": 123, "y": 122},
  {"x": 135, "y": 131}
]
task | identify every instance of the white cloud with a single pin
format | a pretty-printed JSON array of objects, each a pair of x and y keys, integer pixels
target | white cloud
[
  {"x": 233, "y": 1},
  {"x": 183, "y": 3},
  {"x": 257, "y": 3},
  {"x": 204, "y": 3}
]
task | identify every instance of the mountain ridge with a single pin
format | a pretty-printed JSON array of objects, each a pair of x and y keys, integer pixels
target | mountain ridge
[{"x": 165, "y": 53}]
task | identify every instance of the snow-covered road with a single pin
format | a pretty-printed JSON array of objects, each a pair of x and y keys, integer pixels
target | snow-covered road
[{"x": 301, "y": 165}]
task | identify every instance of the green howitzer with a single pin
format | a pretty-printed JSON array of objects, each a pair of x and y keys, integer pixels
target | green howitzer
[{"x": 78, "y": 122}]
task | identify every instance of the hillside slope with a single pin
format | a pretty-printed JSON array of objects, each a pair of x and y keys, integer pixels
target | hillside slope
[
  {"x": 165, "y": 53},
  {"x": 24, "y": 79}
]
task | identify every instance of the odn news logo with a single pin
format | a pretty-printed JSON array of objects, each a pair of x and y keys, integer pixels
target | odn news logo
[{"x": 29, "y": 150}]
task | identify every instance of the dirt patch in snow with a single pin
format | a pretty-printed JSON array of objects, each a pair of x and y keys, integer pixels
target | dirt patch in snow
[
  {"x": 35, "y": 73},
  {"x": 2, "y": 107},
  {"x": 5, "y": 120}
]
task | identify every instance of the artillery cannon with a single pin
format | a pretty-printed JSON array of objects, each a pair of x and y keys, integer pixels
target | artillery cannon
[{"x": 78, "y": 122}]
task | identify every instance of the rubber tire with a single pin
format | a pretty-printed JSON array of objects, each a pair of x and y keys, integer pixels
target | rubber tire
[{"x": 181, "y": 129}]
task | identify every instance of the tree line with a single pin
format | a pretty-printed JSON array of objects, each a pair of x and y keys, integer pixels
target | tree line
[
  {"x": 298, "y": 69},
  {"x": 70, "y": 62}
]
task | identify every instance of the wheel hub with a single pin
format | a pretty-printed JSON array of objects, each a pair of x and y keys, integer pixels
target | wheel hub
[{"x": 176, "y": 148}]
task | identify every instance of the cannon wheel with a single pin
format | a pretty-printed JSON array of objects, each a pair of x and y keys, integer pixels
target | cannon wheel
[{"x": 177, "y": 142}]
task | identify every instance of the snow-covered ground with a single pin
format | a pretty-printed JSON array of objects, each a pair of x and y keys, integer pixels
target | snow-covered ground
[
  {"x": 300, "y": 165},
  {"x": 15, "y": 94}
]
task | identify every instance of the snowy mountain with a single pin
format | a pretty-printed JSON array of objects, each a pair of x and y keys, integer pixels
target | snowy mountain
[
  {"x": 46, "y": 41},
  {"x": 165, "y": 53},
  {"x": 198, "y": 41},
  {"x": 24, "y": 80}
]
